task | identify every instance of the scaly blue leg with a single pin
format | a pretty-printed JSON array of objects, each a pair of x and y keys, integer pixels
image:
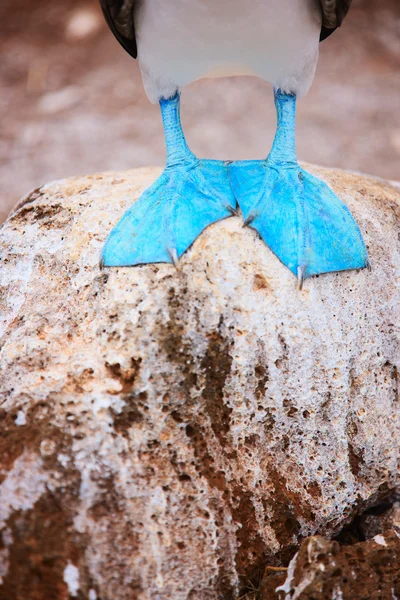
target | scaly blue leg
[
  {"x": 297, "y": 215},
  {"x": 190, "y": 195}
]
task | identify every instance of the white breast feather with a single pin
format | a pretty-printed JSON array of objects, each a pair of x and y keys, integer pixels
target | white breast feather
[{"x": 180, "y": 41}]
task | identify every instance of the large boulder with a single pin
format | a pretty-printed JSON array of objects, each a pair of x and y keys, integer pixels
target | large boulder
[{"x": 167, "y": 433}]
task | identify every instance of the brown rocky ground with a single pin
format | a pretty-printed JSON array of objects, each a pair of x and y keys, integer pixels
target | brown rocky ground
[
  {"x": 362, "y": 564},
  {"x": 72, "y": 102}
]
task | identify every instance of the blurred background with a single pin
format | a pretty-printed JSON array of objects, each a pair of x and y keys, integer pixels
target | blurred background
[{"x": 72, "y": 101}]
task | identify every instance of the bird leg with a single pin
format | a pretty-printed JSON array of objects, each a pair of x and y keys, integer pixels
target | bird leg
[
  {"x": 297, "y": 215},
  {"x": 190, "y": 195}
]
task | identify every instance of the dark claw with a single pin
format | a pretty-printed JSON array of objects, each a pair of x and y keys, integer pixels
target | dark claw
[
  {"x": 249, "y": 219},
  {"x": 232, "y": 210},
  {"x": 174, "y": 257},
  {"x": 301, "y": 271}
]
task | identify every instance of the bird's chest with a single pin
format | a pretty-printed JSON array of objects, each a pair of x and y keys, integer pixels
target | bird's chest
[{"x": 200, "y": 38}]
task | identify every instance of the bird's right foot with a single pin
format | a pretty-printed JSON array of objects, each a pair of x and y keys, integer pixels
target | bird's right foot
[{"x": 299, "y": 217}]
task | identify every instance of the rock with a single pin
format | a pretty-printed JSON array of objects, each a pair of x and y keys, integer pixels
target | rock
[
  {"x": 165, "y": 434},
  {"x": 357, "y": 569},
  {"x": 323, "y": 569},
  {"x": 83, "y": 23},
  {"x": 372, "y": 523},
  {"x": 59, "y": 101}
]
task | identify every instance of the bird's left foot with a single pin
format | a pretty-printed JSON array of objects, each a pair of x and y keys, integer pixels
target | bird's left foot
[
  {"x": 299, "y": 217},
  {"x": 166, "y": 220}
]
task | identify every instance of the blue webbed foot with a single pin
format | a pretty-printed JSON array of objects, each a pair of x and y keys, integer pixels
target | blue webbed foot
[
  {"x": 190, "y": 195},
  {"x": 299, "y": 217},
  {"x": 171, "y": 214}
]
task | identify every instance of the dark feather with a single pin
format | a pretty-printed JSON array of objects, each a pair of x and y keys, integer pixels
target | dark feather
[
  {"x": 119, "y": 17},
  {"x": 333, "y": 13}
]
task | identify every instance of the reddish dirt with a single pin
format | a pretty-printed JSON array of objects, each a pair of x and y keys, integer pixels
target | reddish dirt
[{"x": 72, "y": 101}]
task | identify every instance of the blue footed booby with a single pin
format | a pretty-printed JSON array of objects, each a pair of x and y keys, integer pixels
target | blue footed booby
[{"x": 179, "y": 41}]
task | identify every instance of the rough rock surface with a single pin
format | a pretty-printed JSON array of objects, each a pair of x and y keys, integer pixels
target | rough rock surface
[
  {"x": 165, "y": 434},
  {"x": 365, "y": 566},
  {"x": 323, "y": 569}
]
